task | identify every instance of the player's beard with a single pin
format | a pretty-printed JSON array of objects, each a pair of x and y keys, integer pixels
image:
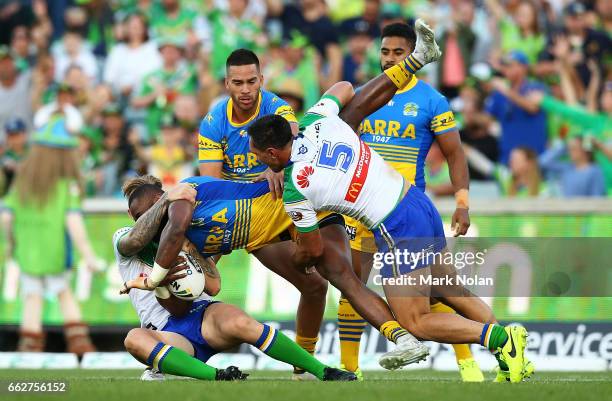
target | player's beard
[
  {"x": 246, "y": 108},
  {"x": 385, "y": 67}
]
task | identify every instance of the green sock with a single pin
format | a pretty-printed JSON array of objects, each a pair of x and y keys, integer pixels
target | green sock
[
  {"x": 174, "y": 361},
  {"x": 493, "y": 336},
  {"x": 278, "y": 346}
]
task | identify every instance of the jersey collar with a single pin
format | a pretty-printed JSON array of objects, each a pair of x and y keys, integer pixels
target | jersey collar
[
  {"x": 411, "y": 84},
  {"x": 230, "y": 105}
]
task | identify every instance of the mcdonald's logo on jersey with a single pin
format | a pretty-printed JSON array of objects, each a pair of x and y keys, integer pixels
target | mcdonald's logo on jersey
[{"x": 360, "y": 174}]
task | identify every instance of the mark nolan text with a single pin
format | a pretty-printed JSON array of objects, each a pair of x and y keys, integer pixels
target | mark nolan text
[{"x": 463, "y": 280}]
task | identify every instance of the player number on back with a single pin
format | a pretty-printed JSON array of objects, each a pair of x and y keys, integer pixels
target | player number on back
[{"x": 338, "y": 156}]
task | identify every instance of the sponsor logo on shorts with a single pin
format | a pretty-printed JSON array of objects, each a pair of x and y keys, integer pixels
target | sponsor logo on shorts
[
  {"x": 352, "y": 232},
  {"x": 302, "y": 177}
]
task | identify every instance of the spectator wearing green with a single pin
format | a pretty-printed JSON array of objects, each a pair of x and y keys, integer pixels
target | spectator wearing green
[
  {"x": 519, "y": 31},
  {"x": 297, "y": 63},
  {"x": 232, "y": 30},
  {"x": 160, "y": 88},
  {"x": 597, "y": 124},
  {"x": 522, "y": 179},
  {"x": 172, "y": 21},
  {"x": 42, "y": 217}
]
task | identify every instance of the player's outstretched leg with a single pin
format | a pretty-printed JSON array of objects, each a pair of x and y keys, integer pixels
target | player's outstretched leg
[
  {"x": 171, "y": 353},
  {"x": 335, "y": 266},
  {"x": 227, "y": 325}
]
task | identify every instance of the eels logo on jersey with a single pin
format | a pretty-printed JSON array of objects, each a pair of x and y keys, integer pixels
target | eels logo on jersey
[{"x": 411, "y": 109}]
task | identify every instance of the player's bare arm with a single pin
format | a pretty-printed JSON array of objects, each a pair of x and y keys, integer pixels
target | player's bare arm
[
  {"x": 175, "y": 306},
  {"x": 211, "y": 169},
  {"x": 145, "y": 228},
  {"x": 171, "y": 243},
  {"x": 174, "y": 273},
  {"x": 213, "y": 278},
  {"x": 371, "y": 97},
  {"x": 450, "y": 145},
  {"x": 147, "y": 225},
  {"x": 173, "y": 234}
]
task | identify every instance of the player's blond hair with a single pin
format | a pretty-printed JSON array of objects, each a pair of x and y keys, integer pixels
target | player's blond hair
[
  {"x": 132, "y": 185},
  {"x": 43, "y": 167}
]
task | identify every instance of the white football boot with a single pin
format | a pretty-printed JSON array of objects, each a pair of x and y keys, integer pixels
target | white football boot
[
  {"x": 426, "y": 50},
  {"x": 151, "y": 375},
  {"x": 408, "y": 350}
]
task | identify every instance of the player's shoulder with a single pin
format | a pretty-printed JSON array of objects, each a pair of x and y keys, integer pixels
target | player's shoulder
[
  {"x": 428, "y": 91},
  {"x": 121, "y": 232},
  {"x": 216, "y": 115},
  {"x": 271, "y": 102},
  {"x": 269, "y": 97},
  {"x": 296, "y": 175}
]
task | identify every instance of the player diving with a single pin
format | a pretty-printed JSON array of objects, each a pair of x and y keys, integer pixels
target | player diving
[
  {"x": 402, "y": 131},
  {"x": 328, "y": 168}
]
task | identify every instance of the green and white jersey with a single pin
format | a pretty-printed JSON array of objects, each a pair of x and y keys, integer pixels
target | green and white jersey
[
  {"x": 151, "y": 314},
  {"x": 333, "y": 170}
]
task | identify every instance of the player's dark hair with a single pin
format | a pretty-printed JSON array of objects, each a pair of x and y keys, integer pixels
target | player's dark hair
[
  {"x": 399, "y": 29},
  {"x": 242, "y": 57},
  {"x": 271, "y": 131}
]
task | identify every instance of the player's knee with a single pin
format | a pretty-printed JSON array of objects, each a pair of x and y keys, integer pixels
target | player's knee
[
  {"x": 239, "y": 325},
  {"x": 316, "y": 288},
  {"x": 133, "y": 340},
  {"x": 413, "y": 323}
]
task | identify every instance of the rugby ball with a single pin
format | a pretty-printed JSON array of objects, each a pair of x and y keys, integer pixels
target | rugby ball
[{"x": 191, "y": 286}]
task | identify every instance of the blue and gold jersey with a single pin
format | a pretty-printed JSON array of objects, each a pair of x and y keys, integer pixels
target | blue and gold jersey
[
  {"x": 402, "y": 131},
  {"x": 232, "y": 215},
  {"x": 221, "y": 139}
]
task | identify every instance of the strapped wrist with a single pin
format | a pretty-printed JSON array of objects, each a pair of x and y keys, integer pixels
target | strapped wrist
[
  {"x": 157, "y": 275},
  {"x": 462, "y": 198}
]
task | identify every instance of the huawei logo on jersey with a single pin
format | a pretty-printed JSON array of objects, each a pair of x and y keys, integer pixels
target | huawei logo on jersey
[{"x": 302, "y": 177}]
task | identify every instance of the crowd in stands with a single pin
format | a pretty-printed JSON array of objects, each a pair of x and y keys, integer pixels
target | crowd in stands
[{"x": 529, "y": 81}]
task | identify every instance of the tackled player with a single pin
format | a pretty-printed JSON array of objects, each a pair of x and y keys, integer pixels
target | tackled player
[{"x": 178, "y": 336}]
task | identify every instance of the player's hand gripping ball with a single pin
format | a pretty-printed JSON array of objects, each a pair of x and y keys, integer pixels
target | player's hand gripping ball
[{"x": 192, "y": 285}]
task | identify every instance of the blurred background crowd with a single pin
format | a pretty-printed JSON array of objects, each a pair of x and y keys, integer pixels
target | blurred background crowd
[{"x": 530, "y": 81}]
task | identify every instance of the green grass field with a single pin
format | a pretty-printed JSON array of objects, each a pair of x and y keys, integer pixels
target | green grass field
[{"x": 108, "y": 385}]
